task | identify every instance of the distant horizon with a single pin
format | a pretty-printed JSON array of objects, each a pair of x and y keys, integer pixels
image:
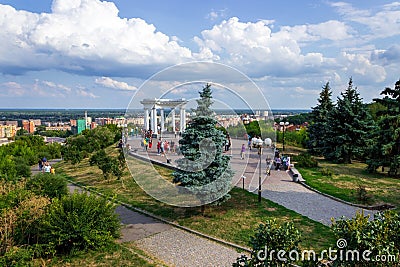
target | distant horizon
[
  {"x": 120, "y": 109},
  {"x": 109, "y": 53}
]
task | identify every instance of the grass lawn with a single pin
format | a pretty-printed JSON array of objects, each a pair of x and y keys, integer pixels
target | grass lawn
[
  {"x": 346, "y": 180},
  {"x": 126, "y": 254},
  {"x": 233, "y": 221}
]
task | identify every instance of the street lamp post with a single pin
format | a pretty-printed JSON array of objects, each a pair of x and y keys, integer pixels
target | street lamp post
[
  {"x": 284, "y": 125},
  {"x": 258, "y": 143}
]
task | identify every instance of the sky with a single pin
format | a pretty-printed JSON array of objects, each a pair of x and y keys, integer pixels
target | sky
[{"x": 112, "y": 54}]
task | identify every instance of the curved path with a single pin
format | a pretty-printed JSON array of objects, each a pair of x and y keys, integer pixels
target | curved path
[
  {"x": 278, "y": 187},
  {"x": 173, "y": 246}
]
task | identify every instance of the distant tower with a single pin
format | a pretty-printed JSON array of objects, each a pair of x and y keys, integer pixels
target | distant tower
[{"x": 86, "y": 120}]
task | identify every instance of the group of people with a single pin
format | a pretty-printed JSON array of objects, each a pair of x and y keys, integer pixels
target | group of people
[
  {"x": 44, "y": 166},
  {"x": 281, "y": 162},
  {"x": 164, "y": 147}
]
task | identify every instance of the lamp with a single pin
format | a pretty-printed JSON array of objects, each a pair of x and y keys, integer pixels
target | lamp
[
  {"x": 258, "y": 143},
  {"x": 284, "y": 125}
]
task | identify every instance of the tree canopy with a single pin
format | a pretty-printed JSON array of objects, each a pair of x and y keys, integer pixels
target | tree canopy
[{"x": 204, "y": 170}]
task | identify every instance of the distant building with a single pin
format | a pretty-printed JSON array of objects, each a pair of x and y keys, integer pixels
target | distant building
[
  {"x": 58, "y": 128},
  {"x": 15, "y": 123},
  {"x": 36, "y": 122},
  {"x": 7, "y": 131},
  {"x": 29, "y": 126},
  {"x": 79, "y": 126}
]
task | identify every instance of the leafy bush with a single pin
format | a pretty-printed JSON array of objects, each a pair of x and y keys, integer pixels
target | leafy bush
[
  {"x": 17, "y": 256},
  {"x": 79, "y": 222},
  {"x": 270, "y": 238},
  {"x": 18, "y": 223},
  {"x": 362, "y": 194},
  {"x": 23, "y": 168},
  {"x": 12, "y": 193},
  {"x": 49, "y": 185},
  {"x": 305, "y": 160},
  {"x": 381, "y": 236},
  {"x": 326, "y": 172}
]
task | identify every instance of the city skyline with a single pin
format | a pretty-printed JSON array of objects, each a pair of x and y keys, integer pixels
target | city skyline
[{"x": 97, "y": 54}]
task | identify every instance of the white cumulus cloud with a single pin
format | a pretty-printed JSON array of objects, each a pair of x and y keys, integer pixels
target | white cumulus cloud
[
  {"x": 82, "y": 36},
  {"x": 110, "y": 83}
]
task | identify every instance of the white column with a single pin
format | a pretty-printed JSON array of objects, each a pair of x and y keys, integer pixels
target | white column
[
  {"x": 152, "y": 119},
  {"x": 184, "y": 118},
  {"x": 146, "y": 119},
  {"x": 182, "y": 124},
  {"x": 173, "y": 120},
  {"x": 162, "y": 120},
  {"x": 155, "y": 120}
]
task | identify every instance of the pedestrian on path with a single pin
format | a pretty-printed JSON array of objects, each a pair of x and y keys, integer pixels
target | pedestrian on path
[
  {"x": 242, "y": 151},
  {"x": 40, "y": 163},
  {"x": 46, "y": 167}
]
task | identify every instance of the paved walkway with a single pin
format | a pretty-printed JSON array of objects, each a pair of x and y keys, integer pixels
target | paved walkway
[
  {"x": 173, "y": 246},
  {"x": 278, "y": 187},
  {"x": 176, "y": 247}
]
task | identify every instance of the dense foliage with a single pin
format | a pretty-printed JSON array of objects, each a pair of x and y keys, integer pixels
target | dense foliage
[
  {"x": 17, "y": 157},
  {"x": 78, "y": 222},
  {"x": 80, "y": 146},
  {"x": 320, "y": 122},
  {"x": 360, "y": 242},
  {"x": 48, "y": 185},
  {"x": 107, "y": 164},
  {"x": 203, "y": 162},
  {"x": 380, "y": 236},
  {"x": 352, "y": 130},
  {"x": 270, "y": 238},
  {"x": 385, "y": 140}
]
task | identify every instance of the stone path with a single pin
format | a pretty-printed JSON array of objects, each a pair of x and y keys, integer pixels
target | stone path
[
  {"x": 171, "y": 245},
  {"x": 278, "y": 187},
  {"x": 176, "y": 247}
]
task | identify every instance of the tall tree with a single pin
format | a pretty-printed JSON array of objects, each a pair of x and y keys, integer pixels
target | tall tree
[
  {"x": 350, "y": 124},
  {"x": 204, "y": 170},
  {"x": 385, "y": 142},
  {"x": 318, "y": 129}
]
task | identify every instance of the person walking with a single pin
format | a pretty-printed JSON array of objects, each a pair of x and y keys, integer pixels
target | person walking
[
  {"x": 242, "y": 151},
  {"x": 46, "y": 167},
  {"x": 40, "y": 163}
]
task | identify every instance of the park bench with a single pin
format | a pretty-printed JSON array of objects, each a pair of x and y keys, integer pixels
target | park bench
[{"x": 296, "y": 175}]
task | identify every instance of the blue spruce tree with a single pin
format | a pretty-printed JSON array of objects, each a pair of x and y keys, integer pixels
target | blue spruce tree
[{"x": 204, "y": 170}]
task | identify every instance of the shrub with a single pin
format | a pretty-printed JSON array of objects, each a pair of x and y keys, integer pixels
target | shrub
[
  {"x": 305, "y": 160},
  {"x": 49, "y": 185},
  {"x": 270, "y": 238},
  {"x": 12, "y": 193},
  {"x": 381, "y": 236},
  {"x": 23, "y": 168},
  {"x": 362, "y": 194},
  {"x": 18, "y": 224},
  {"x": 17, "y": 256},
  {"x": 79, "y": 222},
  {"x": 326, "y": 172}
]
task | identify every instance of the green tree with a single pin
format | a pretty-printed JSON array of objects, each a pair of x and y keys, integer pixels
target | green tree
[
  {"x": 204, "y": 170},
  {"x": 320, "y": 122},
  {"x": 108, "y": 165},
  {"x": 72, "y": 153},
  {"x": 385, "y": 142},
  {"x": 348, "y": 129}
]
